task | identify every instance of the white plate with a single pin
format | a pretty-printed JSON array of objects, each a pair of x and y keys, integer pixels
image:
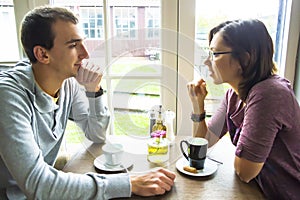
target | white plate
[
  {"x": 210, "y": 167},
  {"x": 99, "y": 163}
]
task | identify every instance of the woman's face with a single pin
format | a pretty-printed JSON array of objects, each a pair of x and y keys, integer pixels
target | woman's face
[{"x": 223, "y": 67}]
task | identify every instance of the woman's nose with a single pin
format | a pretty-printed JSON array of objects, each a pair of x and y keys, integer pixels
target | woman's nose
[{"x": 207, "y": 61}]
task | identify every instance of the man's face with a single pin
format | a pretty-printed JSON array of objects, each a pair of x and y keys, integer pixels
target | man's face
[{"x": 68, "y": 50}]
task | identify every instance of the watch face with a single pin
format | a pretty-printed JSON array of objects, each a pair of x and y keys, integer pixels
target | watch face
[
  {"x": 198, "y": 118},
  {"x": 193, "y": 117}
]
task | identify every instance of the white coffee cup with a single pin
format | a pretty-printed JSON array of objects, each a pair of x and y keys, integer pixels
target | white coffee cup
[{"x": 113, "y": 154}]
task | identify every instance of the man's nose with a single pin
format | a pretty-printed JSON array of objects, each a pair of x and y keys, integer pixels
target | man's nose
[{"x": 83, "y": 54}]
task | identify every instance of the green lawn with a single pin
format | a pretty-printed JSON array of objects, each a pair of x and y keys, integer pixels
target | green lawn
[
  {"x": 131, "y": 123},
  {"x": 74, "y": 134},
  {"x": 139, "y": 126}
]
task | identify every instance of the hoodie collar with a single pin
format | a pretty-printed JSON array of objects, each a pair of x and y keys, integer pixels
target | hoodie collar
[{"x": 24, "y": 77}]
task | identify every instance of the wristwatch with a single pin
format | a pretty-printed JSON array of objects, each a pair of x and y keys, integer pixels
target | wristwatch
[
  {"x": 198, "y": 117},
  {"x": 94, "y": 94}
]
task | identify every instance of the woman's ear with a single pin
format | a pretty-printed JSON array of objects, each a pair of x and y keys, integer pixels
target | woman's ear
[
  {"x": 41, "y": 54},
  {"x": 245, "y": 59}
]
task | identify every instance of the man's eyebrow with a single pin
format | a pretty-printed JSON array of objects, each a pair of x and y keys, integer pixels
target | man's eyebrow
[{"x": 73, "y": 40}]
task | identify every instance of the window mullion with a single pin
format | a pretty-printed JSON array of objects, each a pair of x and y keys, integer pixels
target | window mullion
[{"x": 108, "y": 57}]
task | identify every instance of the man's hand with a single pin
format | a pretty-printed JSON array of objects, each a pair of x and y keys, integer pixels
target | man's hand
[
  {"x": 89, "y": 77},
  {"x": 153, "y": 183}
]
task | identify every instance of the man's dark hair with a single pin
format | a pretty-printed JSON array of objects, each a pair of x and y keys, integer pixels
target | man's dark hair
[{"x": 36, "y": 28}]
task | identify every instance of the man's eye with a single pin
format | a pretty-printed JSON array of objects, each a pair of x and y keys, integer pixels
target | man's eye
[{"x": 72, "y": 45}]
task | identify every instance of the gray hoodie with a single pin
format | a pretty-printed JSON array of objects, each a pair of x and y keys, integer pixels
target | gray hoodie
[{"x": 32, "y": 126}]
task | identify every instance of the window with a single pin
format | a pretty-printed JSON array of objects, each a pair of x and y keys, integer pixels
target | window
[
  {"x": 8, "y": 40},
  {"x": 132, "y": 66},
  {"x": 92, "y": 22},
  {"x": 133, "y": 76},
  {"x": 125, "y": 22},
  {"x": 152, "y": 23},
  {"x": 210, "y": 13},
  {"x": 148, "y": 49}
]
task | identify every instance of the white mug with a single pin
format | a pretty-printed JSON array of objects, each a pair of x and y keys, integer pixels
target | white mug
[{"x": 113, "y": 154}]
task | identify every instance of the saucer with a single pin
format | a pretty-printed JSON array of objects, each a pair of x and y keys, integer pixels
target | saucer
[
  {"x": 210, "y": 167},
  {"x": 99, "y": 163}
]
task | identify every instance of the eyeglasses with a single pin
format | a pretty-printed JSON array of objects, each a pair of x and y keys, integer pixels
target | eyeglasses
[{"x": 212, "y": 54}]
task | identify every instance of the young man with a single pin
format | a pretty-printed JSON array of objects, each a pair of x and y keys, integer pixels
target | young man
[{"x": 37, "y": 99}]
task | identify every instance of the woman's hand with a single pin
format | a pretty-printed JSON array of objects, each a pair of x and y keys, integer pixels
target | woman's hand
[
  {"x": 197, "y": 92},
  {"x": 153, "y": 183},
  {"x": 90, "y": 77}
]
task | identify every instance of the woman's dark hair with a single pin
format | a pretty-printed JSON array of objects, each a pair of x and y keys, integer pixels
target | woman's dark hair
[
  {"x": 248, "y": 38},
  {"x": 36, "y": 28}
]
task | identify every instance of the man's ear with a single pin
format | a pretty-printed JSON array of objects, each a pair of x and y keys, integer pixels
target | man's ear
[{"x": 41, "y": 54}]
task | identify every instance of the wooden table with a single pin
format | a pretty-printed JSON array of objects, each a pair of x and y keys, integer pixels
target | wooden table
[{"x": 224, "y": 184}]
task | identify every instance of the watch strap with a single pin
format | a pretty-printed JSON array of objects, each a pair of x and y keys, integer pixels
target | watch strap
[
  {"x": 94, "y": 94},
  {"x": 198, "y": 117}
]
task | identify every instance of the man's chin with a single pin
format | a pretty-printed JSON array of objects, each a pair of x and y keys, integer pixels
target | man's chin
[{"x": 75, "y": 72}]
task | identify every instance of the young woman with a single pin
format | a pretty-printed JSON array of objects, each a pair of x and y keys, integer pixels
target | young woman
[{"x": 260, "y": 111}]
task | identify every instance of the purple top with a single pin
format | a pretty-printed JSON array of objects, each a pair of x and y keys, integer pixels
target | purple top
[{"x": 266, "y": 130}]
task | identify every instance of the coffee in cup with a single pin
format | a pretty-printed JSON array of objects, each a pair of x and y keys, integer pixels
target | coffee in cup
[
  {"x": 196, "y": 151},
  {"x": 113, "y": 154}
]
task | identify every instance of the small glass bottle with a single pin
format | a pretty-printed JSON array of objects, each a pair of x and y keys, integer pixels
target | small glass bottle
[
  {"x": 159, "y": 126},
  {"x": 158, "y": 148}
]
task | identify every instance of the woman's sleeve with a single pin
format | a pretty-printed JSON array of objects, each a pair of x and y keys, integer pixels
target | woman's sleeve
[{"x": 261, "y": 124}]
